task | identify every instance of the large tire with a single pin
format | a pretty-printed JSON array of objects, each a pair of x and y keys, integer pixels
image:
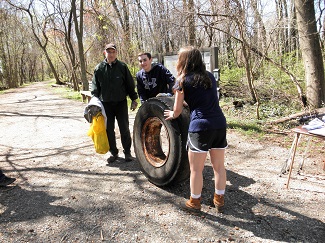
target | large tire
[{"x": 160, "y": 145}]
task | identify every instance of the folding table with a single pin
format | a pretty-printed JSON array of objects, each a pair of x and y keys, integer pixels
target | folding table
[{"x": 298, "y": 132}]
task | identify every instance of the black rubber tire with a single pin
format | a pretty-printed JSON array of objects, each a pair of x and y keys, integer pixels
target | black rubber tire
[{"x": 162, "y": 165}]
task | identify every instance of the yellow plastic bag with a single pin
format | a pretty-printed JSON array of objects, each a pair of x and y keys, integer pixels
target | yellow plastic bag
[{"x": 97, "y": 132}]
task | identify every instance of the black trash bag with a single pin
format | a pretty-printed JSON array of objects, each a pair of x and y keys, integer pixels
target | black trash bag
[{"x": 91, "y": 111}]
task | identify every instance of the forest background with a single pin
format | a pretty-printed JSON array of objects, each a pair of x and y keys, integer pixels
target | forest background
[{"x": 270, "y": 52}]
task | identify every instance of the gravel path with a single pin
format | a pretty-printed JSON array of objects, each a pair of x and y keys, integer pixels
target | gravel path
[{"x": 65, "y": 192}]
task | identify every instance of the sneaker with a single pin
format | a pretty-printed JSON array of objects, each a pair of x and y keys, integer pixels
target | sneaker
[
  {"x": 5, "y": 181},
  {"x": 128, "y": 158},
  {"x": 219, "y": 202},
  {"x": 112, "y": 158},
  {"x": 193, "y": 205}
]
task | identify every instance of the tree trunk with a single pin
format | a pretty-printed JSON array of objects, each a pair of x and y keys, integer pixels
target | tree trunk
[
  {"x": 79, "y": 34},
  {"x": 312, "y": 113},
  {"x": 311, "y": 52},
  {"x": 191, "y": 23},
  {"x": 259, "y": 28},
  {"x": 293, "y": 34},
  {"x": 40, "y": 34},
  {"x": 71, "y": 53}
]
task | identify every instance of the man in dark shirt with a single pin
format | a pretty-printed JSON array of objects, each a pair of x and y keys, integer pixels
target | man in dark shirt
[
  {"x": 153, "y": 79},
  {"x": 112, "y": 83}
]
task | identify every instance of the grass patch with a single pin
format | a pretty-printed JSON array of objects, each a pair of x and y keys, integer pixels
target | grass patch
[
  {"x": 247, "y": 127},
  {"x": 66, "y": 92}
]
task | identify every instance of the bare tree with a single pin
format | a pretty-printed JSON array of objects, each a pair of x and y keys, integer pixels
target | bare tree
[
  {"x": 191, "y": 23},
  {"x": 79, "y": 33},
  {"x": 293, "y": 33},
  {"x": 18, "y": 53},
  {"x": 123, "y": 15},
  {"x": 311, "y": 52},
  {"x": 259, "y": 35},
  {"x": 141, "y": 23},
  {"x": 65, "y": 20},
  {"x": 282, "y": 34},
  {"x": 9, "y": 65},
  {"x": 39, "y": 30}
]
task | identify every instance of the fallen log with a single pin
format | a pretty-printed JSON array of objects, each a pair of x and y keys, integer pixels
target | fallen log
[{"x": 316, "y": 112}]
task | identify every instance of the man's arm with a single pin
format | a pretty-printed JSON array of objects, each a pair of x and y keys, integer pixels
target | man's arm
[
  {"x": 141, "y": 89},
  {"x": 95, "y": 86}
]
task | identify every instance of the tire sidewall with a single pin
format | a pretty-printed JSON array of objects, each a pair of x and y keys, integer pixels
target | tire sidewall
[{"x": 164, "y": 174}]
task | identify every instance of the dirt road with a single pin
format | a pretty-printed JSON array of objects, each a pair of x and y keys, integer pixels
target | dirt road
[{"x": 66, "y": 193}]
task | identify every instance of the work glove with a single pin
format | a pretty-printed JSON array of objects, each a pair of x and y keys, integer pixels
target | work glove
[{"x": 134, "y": 105}]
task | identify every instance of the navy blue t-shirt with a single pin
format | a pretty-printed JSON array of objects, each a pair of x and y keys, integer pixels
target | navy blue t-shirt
[{"x": 205, "y": 111}]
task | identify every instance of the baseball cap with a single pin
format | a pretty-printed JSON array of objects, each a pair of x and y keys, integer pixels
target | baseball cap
[{"x": 110, "y": 46}]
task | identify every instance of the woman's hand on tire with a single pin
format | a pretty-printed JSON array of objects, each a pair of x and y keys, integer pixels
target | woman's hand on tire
[{"x": 169, "y": 115}]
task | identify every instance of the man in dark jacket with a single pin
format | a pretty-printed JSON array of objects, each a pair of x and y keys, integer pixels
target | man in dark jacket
[
  {"x": 112, "y": 83},
  {"x": 153, "y": 79}
]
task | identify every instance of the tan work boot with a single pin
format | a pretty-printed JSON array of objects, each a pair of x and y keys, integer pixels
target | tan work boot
[
  {"x": 219, "y": 202},
  {"x": 192, "y": 205}
]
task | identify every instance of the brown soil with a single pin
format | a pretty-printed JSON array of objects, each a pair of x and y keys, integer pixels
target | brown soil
[{"x": 65, "y": 192}]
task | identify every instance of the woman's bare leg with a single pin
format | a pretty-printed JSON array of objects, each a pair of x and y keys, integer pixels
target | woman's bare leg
[
  {"x": 217, "y": 157},
  {"x": 196, "y": 161}
]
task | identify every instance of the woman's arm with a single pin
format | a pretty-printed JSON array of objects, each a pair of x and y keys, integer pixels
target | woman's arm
[{"x": 178, "y": 106}]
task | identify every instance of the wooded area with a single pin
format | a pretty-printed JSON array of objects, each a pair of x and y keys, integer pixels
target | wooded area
[{"x": 64, "y": 40}]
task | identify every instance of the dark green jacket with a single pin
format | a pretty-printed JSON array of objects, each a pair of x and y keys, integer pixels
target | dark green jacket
[{"x": 112, "y": 83}]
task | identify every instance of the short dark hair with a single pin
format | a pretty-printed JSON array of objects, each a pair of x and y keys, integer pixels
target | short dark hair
[{"x": 145, "y": 53}]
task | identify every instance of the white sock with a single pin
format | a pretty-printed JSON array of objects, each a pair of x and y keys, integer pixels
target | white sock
[
  {"x": 220, "y": 192},
  {"x": 195, "y": 196}
]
